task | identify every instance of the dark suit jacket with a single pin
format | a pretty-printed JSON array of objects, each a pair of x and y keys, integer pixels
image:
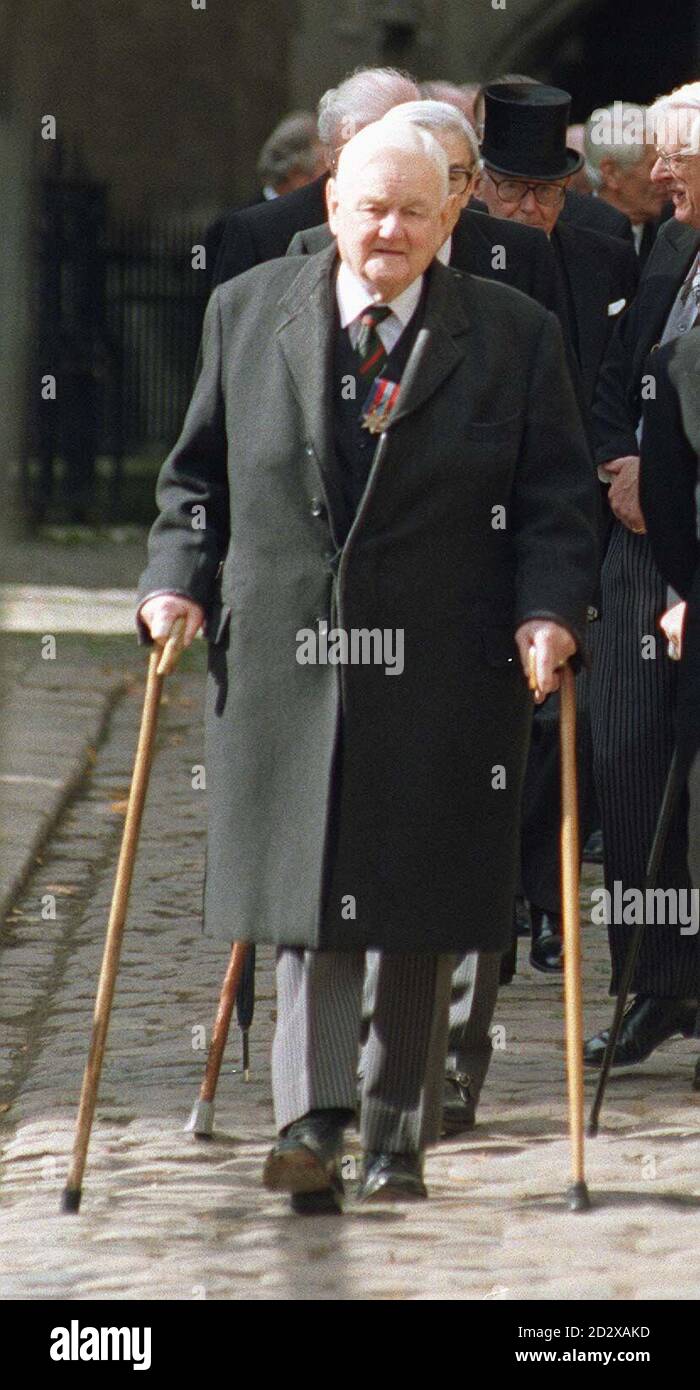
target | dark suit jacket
[
  {"x": 600, "y": 275},
  {"x": 583, "y": 210},
  {"x": 471, "y": 432},
  {"x": 618, "y": 403},
  {"x": 263, "y": 232},
  {"x": 668, "y": 479}
]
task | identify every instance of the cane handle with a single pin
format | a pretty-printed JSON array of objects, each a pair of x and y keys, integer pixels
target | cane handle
[{"x": 172, "y": 649}]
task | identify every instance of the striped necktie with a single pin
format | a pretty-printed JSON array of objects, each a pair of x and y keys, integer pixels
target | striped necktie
[{"x": 370, "y": 347}]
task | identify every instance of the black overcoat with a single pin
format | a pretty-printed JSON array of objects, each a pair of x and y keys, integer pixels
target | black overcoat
[{"x": 349, "y": 807}]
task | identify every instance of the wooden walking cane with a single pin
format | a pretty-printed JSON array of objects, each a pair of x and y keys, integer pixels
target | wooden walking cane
[
  {"x": 577, "y": 1194},
  {"x": 162, "y": 661}
]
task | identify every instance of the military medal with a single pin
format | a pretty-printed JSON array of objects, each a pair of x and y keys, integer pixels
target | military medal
[{"x": 380, "y": 402}]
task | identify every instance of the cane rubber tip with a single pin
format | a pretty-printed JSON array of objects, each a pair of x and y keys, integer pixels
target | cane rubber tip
[
  {"x": 592, "y": 1129},
  {"x": 201, "y": 1121},
  {"x": 578, "y": 1198},
  {"x": 70, "y": 1199}
]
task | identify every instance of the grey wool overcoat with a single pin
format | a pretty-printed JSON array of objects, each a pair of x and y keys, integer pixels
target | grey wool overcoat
[{"x": 348, "y": 807}]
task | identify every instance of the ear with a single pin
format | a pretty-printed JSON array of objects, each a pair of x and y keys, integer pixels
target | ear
[
  {"x": 610, "y": 171},
  {"x": 332, "y": 204},
  {"x": 449, "y": 214}
]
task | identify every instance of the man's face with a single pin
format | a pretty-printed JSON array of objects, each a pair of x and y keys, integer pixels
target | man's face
[
  {"x": 390, "y": 216},
  {"x": 463, "y": 169},
  {"x": 535, "y": 206},
  {"x": 677, "y": 175},
  {"x": 634, "y": 192}
]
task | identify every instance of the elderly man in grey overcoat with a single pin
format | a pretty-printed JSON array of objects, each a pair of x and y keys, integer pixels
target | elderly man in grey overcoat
[{"x": 369, "y": 617}]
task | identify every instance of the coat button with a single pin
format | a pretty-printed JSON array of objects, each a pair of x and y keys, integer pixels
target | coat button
[
  {"x": 316, "y": 506},
  {"x": 309, "y": 450},
  {"x": 592, "y": 613}
]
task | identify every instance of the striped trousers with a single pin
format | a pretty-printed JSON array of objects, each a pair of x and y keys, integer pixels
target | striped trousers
[
  {"x": 316, "y": 1043},
  {"x": 632, "y": 700}
]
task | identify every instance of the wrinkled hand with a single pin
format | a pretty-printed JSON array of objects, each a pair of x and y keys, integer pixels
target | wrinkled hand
[
  {"x": 159, "y": 614},
  {"x": 671, "y": 624},
  {"x": 623, "y": 494},
  {"x": 553, "y": 646}
]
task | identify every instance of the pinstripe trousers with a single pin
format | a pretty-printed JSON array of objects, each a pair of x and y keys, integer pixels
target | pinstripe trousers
[
  {"x": 473, "y": 994},
  {"x": 316, "y": 1043},
  {"x": 632, "y": 703}
]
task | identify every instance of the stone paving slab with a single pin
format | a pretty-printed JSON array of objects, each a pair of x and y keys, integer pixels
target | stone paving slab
[
  {"x": 167, "y": 1216},
  {"x": 52, "y": 719}
]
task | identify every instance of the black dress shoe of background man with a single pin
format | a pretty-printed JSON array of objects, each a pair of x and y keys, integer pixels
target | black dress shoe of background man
[
  {"x": 458, "y": 1104},
  {"x": 647, "y": 1022},
  {"x": 392, "y": 1178},
  {"x": 305, "y": 1161},
  {"x": 547, "y": 947}
]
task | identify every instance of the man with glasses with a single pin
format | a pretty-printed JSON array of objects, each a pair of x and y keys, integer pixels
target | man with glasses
[
  {"x": 526, "y": 171},
  {"x": 633, "y": 700}
]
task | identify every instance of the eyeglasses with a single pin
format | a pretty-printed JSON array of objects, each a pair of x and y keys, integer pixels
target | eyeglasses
[
  {"x": 548, "y": 195},
  {"x": 459, "y": 177},
  {"x": 672, "y": 162}
]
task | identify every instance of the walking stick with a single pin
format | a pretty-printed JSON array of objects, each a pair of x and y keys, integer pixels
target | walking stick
[
  {"x": 201, "y": 1121},
  {"x": 161, "y": 662},
  {"x": 668, "y": 806},
  {"x": 577, "y": 1194}
]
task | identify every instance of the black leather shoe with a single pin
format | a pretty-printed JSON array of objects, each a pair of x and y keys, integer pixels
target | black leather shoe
[
  {"x": 546, "y": 951},
  {"x": 392, "y": 1178},
  {"x": 304, "y": 1161},
  {"x": 647, "y": 1022},
  {"x": 458, "y": 1104},
  {"x": 593, "y": 848}
]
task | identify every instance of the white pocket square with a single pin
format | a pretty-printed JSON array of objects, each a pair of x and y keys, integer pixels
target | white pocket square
[{"x": 616, "y": 306}]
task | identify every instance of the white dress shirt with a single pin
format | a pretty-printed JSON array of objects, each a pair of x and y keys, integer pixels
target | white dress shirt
[{"x": 354, "y": 298}]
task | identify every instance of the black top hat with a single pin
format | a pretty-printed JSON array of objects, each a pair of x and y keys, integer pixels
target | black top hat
[{"x": 525, "y": 131}]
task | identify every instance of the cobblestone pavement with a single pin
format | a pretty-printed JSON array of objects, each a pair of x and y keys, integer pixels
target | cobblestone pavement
[{"x": 167, "y": 1216}]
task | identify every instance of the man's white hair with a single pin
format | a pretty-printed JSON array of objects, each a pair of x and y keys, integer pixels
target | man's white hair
[
  {"x": 436, "y": 116},
  {"x": 362, "y": 98},
  {"x": 676, "y": 117},
  {"x": 381, "y": 137},
  {"x": 622, "y": 152}
]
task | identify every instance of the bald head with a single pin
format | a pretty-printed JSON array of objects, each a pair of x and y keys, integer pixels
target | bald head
[
  {"x": 389, "y": 206},
  {"x": 386, "y": 140}
]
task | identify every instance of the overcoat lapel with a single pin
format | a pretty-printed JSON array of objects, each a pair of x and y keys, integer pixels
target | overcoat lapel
[
  {"x": 305, "y": 335},
  {"x": 447, "y": 324}
]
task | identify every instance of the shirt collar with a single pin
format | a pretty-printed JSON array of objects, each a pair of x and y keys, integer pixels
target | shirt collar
[{"x": 353, "y": 298}]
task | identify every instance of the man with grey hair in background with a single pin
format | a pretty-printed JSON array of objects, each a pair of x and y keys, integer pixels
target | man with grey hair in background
[
  {"x": 619, "y": 172},
  {"x": 261, "y": 233},
  {"x": 291, "y": 158}
]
